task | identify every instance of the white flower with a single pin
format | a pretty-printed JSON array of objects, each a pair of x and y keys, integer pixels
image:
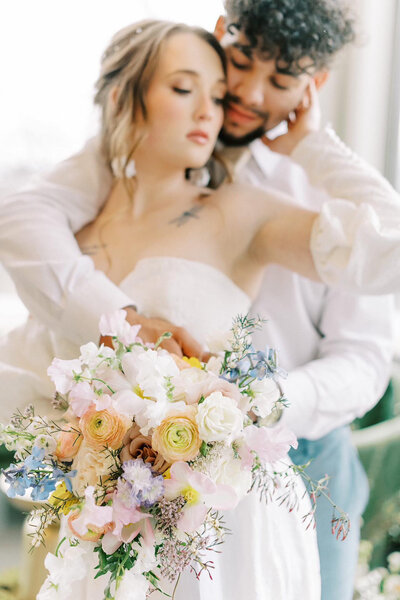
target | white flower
[
  {"x": 392, "y": 584},
  {"x": 69, "y": 566},
  {"x": 61, "y": 372},
  {"x": 214, "y": 365},
  {"x": 47, "y": 442},
  {"x": 394, "y": 562},
  {"x": 228, "y": 470},
  {"x": 132, "y": 587},
  {"x": 266, "y": 394},
  {"x": 220, "y": 341},
  {"x": 116, "y": 325},
  {"x": 92, "y": 356},
  {"x": 146, "y": 559},
  {"x": 219, "y": 419},
  {"x": 150, "y": 370}
]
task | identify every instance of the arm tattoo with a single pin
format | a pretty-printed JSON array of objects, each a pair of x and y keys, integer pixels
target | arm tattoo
[{"x": 187, "y": 215}]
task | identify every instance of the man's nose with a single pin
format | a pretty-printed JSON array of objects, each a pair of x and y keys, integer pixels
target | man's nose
[{"x": 250, "y": 90}]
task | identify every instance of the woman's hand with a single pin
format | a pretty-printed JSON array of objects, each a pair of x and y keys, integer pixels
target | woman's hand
[
  {"x": 304, "y": 120},
  {"x": 181, "y": 343}
]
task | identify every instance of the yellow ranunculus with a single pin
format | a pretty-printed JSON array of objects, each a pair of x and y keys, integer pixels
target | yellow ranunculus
[
  {"x": 177, "y": 437},
  {"x": 103, "y": 428}
]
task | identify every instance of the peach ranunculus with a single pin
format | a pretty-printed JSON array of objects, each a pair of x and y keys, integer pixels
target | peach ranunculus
[
  {"x": 68, "y": 442},
  {"x": 104, "y": 428},
  {"x": 177, "y": 436},
  {"x": 92, "y": 469},
  {"x": 138, "y": 445}
]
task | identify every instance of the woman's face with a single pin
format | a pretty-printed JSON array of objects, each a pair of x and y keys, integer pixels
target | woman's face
[{"x": 184, "y": 103}]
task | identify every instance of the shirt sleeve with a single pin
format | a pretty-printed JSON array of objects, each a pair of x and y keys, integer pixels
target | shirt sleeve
[
  {"x": 56, "y": 282},
  {"x": 351, "y": 370},
  {"x": 356, "y": 238}
]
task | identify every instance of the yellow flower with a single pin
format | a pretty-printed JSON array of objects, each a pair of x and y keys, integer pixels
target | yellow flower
[
  {"x": 102, "y": 428},
  {"x": 191, "y": 495},
  {"x": 193, "y": 362},
  {"x": 61, "y": 497},
  {"x": 177, "y": 437}
]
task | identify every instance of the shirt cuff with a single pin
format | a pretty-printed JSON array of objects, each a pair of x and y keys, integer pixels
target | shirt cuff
[{"x": 84, "y": 307}]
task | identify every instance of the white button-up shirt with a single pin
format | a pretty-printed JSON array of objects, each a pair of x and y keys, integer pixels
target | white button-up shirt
[{"x": 336, "y": 346}]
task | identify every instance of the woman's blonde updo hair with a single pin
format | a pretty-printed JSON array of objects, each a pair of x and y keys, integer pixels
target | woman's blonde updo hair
[{"x": 127, "y": 68}]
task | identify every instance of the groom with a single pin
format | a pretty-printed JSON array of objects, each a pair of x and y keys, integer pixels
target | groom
[{"x": 337, "y": 347}]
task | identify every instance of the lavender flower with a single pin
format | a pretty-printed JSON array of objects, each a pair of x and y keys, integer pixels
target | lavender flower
[{"x": 146, "y": 488}]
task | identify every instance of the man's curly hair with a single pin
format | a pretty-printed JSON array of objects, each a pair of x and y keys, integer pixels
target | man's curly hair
[{"x": 290, "y": 30}]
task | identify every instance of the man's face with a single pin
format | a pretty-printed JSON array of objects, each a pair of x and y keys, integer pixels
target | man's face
[{"x": 259, "y": 96}]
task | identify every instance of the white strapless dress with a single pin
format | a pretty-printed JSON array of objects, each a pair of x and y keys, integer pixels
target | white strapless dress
[{"x": 270, "y": 555}]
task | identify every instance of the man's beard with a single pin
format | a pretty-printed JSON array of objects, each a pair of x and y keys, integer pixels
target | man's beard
[{"x": 231, "y": 140}]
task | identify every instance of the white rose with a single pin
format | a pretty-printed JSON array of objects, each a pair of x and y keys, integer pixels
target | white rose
[
  {"x": 266, "y": 394},
  {"x": 228, "y": 470},
  {"x": 219, "y": 419},
  {"x": 394, "y": 562},
  {"x": 392, "y": 585}
]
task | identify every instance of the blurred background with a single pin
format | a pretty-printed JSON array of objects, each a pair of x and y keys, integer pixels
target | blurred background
[{"x": 50, "y": 52}]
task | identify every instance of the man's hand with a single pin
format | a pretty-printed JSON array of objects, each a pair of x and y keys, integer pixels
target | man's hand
[
  {"x": 181, "y": 343},
  {"x": 304, "y": 120}
]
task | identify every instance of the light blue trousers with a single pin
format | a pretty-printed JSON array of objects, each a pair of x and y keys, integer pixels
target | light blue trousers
[{"x": 335, "y": 455}]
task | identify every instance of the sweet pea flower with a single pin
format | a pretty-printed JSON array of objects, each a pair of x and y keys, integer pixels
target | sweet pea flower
[
  {"x": 116, "y": 325},
  {"x": 81, "y": 398},
  {"x": 133, "y": 586},
  {"x": 62, "y": 373},
  {"x": 200, "y": 493},
  {"x": 128, "y": 523},
  {"x": 270, "y": 443},
  {"x": 70, "y": 566},
  {"x": 91, "y": 519}
]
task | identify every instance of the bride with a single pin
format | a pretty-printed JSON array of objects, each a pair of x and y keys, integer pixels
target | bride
[{"x": 193, "y": 256}]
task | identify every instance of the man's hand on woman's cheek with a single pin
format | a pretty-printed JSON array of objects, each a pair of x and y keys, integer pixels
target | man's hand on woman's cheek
[{"x": 181, "y": 343}]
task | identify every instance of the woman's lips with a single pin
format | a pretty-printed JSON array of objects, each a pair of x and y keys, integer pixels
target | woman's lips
[
  {"x": 239, "y": 115},
  {"x": 198, "y": 137}
]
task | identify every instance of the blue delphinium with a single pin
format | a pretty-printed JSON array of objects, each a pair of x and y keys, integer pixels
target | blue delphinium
[{"x": 36, "y": 474}]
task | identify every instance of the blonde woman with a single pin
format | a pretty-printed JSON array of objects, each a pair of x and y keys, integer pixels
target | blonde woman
[{"x": 193, "y": 256}]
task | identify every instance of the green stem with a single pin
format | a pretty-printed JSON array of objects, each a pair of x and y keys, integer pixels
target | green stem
[{"x": 175, "y": 588}]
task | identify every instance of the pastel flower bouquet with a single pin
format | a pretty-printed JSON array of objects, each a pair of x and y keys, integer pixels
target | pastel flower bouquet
[{"x": 148, "y": 449}]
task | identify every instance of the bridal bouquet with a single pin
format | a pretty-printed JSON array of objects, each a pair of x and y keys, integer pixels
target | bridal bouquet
[{"x": 148, "y": 448}]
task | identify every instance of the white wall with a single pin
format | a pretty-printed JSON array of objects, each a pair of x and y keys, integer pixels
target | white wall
[{"x": 356, "y": 99}]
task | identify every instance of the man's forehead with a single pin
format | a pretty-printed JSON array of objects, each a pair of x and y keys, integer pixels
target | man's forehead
[{"x": 236, "y": 39}]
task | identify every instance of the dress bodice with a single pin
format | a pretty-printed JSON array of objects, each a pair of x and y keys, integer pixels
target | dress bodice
[{"x": 187, "y": 293}]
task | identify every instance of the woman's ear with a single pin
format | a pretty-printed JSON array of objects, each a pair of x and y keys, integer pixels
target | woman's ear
[
  {"x": 220, "y": 28},
  {"x": 320, "y": 78}
]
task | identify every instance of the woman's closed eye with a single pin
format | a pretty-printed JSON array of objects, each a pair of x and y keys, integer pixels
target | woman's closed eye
[{"x": 180, "y": 90}]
